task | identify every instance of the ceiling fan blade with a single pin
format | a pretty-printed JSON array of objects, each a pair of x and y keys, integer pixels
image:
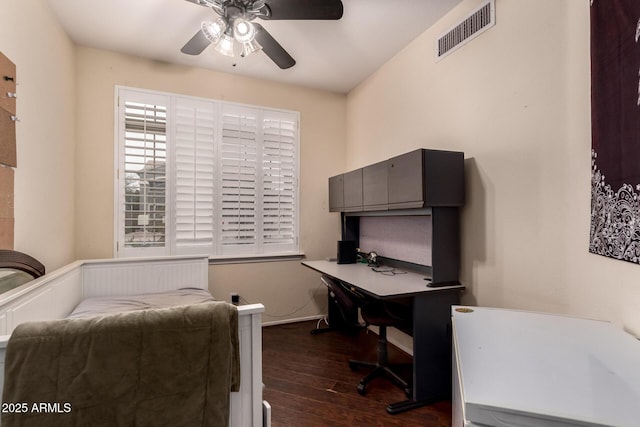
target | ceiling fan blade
[
  {"x": 200, "y": 3},
  {"x": 272, "y": 48},
  {"x": 196, "y": 45},
  {"x": 304, "y": 9}
]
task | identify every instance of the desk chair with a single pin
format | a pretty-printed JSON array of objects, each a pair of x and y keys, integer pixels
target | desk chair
[
  {"x": 382, "y": 315},
  {"x": 343, "y": 309},
  {"x": 376, "y": 313}
]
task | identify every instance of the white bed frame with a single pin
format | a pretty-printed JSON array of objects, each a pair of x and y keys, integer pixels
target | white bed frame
[{"x": 56, "y": 294}]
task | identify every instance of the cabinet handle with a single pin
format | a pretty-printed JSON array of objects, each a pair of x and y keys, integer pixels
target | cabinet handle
[
  {"x": 9, "y": 78},
  {"x": 15, "y": 118},
  {"x": 12, "y": 95}
]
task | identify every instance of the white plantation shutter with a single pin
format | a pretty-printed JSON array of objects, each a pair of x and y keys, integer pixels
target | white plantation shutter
[
  {"x": 238, "y": 162},
  {"x": 216, "y": 177},
  {"x": 279, "y": 172},
  {"x": 142, "y": 170},
  {"x": 194, "y": 161}
]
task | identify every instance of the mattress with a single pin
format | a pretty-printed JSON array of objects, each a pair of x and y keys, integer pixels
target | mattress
[{"x": 101, "y": 306}]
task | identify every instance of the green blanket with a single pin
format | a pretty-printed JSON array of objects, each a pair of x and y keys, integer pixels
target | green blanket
[{"x": 166, "y": 367}]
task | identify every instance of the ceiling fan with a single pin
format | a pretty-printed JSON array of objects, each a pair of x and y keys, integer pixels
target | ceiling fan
[{"x": 234, "y": 32}]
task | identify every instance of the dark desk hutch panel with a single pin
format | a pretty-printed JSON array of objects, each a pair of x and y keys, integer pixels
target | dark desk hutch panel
[{"x": 421, "y": 182}]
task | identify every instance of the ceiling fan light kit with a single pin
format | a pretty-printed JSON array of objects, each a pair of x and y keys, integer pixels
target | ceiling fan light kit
[
  {"x": 243, "y": 30},
  {"x": 214, "y": 30},
  {"x": 225, "y": 45},
  {"x": 233, "y": 32},
  {"x": 250, "y": 47}
]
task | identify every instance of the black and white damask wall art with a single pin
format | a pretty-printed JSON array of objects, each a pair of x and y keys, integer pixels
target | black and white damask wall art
[{"x": 615, "y": 127}]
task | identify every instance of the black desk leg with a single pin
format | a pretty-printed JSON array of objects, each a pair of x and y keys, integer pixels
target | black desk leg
[{"x": 431, "y": 350}]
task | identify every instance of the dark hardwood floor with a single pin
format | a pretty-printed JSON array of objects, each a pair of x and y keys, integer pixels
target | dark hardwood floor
[{"x": 308, "y": 381}]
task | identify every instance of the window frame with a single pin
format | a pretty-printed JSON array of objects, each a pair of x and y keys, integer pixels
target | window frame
[{"x": 123, "y": 94}]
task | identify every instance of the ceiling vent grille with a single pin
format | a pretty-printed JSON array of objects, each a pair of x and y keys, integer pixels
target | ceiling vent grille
[{"x": 469, "y": 28}]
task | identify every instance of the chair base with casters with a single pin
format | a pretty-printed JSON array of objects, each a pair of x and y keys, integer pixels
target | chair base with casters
[
  {"x": 344, "y": 302},
  {"x": 379, "y": 314}
]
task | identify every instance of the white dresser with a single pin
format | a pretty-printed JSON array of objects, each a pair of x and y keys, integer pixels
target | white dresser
[{"x": 514, "y": 368}]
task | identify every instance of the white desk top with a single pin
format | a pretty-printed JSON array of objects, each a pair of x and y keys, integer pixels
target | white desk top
[
  {"x": 522, "y": 368},
  {"x": 378, "y": 284}
]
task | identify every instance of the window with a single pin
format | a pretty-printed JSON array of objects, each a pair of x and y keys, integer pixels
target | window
[{"x": 204, "y": 176}]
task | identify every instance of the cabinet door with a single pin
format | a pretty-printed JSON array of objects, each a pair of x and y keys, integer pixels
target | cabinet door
[
  {"x": 375, "y": 194},
  {"x": 353, "y": 191},
  {"x": 336, "y": 193},
  {"x": 405, "y": 180}
]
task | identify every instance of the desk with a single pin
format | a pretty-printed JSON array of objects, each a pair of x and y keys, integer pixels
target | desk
[
  {"x": 431, "y": 320},
  {"x": 523, "y": 368}
]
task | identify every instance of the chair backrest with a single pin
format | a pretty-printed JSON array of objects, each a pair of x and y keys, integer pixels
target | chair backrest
[{"x": 346, "y": 303}]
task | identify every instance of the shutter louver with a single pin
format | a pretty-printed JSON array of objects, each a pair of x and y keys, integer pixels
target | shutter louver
[
  {"x": 238, "y": 165},
  {"x": 194, "y": 176},
  {"x": 145, "y": 153},
  {"x": 279, "y": 184}
]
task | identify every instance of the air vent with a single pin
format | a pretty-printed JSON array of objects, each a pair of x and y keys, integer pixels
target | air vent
[{"x": 469, "y": 28}]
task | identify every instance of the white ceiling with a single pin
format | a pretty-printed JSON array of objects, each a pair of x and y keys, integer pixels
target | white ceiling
[{"x": 330, "y": 55}]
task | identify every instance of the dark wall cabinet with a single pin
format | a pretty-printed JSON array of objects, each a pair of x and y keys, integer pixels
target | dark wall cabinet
[
  {"x": 374, "y": 187},
  {"x": 336, "y": 193},
  {"x": 424, "y": 178},
  {"x": 405, "y": 180},
  {"x": 418, "y": 179},
  {"x": 353, "y": 191},
  {"x": 432, "y": 179},
  {"x": 345, "y": 192}
]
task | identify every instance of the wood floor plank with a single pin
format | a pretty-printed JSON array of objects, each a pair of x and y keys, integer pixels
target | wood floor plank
[
  {"x": 336, "y": 415},
  {"x": 309, "y": 384}
]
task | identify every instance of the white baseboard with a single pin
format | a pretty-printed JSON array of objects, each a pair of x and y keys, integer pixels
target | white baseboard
[
  {"x": 298, "y": 319},
  {"x": 401, "y": 346}
]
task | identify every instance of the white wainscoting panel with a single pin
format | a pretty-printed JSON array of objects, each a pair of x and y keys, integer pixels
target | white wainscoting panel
[
  {"x": 68, "y": 294},
  {"x": 108, "y": 278},
  {"x": 36, "y": 307},
  {"x": 3, "y": 324}
]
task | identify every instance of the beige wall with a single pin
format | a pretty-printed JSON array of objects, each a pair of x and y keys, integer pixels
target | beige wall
[
  {"x": 517, "y": 101},
  {"x": 44, "y": 180},
  {"x": 282, "y": 286}
]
